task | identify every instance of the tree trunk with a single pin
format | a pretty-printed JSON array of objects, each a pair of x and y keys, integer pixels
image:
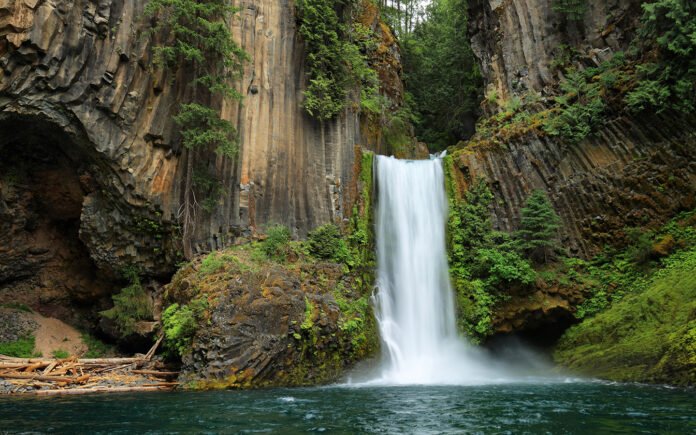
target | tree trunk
[{"x": 188, "y": 206}]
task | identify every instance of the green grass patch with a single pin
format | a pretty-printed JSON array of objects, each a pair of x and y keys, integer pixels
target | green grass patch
[
  {"x": 22, "y": 348},
  {"x": 17, "y": 306},
  {"x": 60, "y": 354}
]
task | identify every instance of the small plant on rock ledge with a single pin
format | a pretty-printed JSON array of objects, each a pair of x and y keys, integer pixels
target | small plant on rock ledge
[
  {"x": 277, "y": 243},
  {"x": 326, "y": 242}
]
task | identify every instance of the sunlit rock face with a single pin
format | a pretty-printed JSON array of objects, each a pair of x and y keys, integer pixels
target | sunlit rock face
[
  {"x": 91, "y": 174},
  {"x": 84, "y": 69}
]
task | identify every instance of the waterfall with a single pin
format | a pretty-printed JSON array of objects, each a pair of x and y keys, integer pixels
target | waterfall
[{"x": 414, "y": 303}]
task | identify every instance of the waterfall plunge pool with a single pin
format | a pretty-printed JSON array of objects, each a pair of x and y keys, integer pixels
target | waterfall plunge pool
[
  {"x": 428, "y": 380},
  {"x": 577, "y": 407}
]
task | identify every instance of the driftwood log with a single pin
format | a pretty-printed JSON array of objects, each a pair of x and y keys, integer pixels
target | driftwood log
[{"x": 70, "y": 375}]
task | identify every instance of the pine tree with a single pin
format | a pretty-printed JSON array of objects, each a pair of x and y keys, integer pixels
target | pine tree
[
  {"x": 195, "y": 36},
  {"x": 572, "y": 9},
  {"x": 539, "y": 225}
]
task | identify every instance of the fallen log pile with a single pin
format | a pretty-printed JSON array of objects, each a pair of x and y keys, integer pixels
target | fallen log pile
[{"x": 45, "y": 376}]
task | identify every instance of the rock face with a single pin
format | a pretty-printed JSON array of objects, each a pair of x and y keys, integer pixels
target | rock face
[
  {"x": 635, "y": 171},
  {"x": 632, "y": 173},
  {"x": 77, "y": 78},
  {"x": 517, "y": 41}
]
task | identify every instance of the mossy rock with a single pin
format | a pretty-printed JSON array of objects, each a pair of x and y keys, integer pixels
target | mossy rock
[
  {"x": 269, "y": 323},
  {"x": 647, "y": 337}
]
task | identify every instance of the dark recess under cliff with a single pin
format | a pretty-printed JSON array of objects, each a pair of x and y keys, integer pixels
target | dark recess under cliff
[{"x": 44, "y": 177}]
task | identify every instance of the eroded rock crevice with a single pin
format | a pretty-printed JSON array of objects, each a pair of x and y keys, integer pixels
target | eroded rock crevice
[{"x": 44, "y": 180}]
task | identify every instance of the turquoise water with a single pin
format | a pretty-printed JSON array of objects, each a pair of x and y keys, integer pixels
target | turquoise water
[{"x": 582, "y": 408}]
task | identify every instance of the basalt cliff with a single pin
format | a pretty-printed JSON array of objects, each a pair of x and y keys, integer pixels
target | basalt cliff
[{"x": 91, "y": 167}]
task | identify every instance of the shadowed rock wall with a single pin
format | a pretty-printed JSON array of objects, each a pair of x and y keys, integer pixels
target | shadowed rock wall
[
  {"x": 517, "y": 41},
  {"x": 632, "y": 173}
]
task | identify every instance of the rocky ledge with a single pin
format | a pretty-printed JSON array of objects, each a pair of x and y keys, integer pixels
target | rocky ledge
[{"x": 260, "y": 322}]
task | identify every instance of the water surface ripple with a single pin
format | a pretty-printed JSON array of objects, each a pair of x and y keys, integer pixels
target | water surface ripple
[{"x": 582, "y": 408}]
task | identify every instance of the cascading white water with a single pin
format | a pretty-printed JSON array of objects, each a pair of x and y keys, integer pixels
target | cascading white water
[{"x": 414, "y": 303}]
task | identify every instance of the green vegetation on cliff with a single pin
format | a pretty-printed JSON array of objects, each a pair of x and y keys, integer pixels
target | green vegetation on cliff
[
  {"x": 648, "y": 336},
  {"x": 656, "y": 73},
  {"x": 667, "y": 73},
  {"x": 573, "y": 9},
  {"x": 194, "y": 39},
  {"x": 131, "y": 305},
  {"x": 336, "y": 57},
  {"x": 539, "y": 224},
  {"x": 484, "y": 264},
  {"x": 277, "y": 311}
]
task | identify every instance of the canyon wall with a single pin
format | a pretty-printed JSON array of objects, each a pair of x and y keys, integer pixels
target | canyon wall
[
  {"x": 77, "y": 78},
  {"x": 635, "y": 171},
  {"x": 91, "y": 174}
]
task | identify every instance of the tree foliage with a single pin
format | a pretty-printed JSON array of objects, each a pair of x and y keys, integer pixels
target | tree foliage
[
  {"x": 442, "y": 75},
  {"x": 573, "y": 9},
  {"x": 539, "y": 225},
  {"x": 336, "y": 58},
  {"x": 669, "y": 81}
]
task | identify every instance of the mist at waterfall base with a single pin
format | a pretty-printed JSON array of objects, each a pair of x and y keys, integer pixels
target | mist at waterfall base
[{"x": 414, "y": 302}]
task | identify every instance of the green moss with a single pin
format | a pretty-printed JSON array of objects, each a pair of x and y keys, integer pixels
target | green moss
[
  {"x": 60, "y": 354},
  {"x": 308, "y": 323},
  {"x": 96, "y": 348},
  {"x": 17, "y": 306},
  {"x": 360, "y": 232},
  {"x": 647, "y": 337},
  {"x": 213, "y": 262},
  {"x": 21, "y": 348}
]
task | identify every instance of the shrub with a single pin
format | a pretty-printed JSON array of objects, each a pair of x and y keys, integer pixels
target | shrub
[
  {"x": 670, "y": 81},
  {"x": 131, "y": 305},
  {"x": 580, "y": 108},
  {"x": 326, "y": 242},
  {"x": 277, "y": 243},
  {"x": 180, "y": 322},
  {"x": 483, "y": 263}
]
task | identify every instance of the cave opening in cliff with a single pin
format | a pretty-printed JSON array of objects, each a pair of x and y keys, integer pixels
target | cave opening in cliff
[
  {"x": 44, "y": 178},
  {"x": 540, "y": 335}
]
